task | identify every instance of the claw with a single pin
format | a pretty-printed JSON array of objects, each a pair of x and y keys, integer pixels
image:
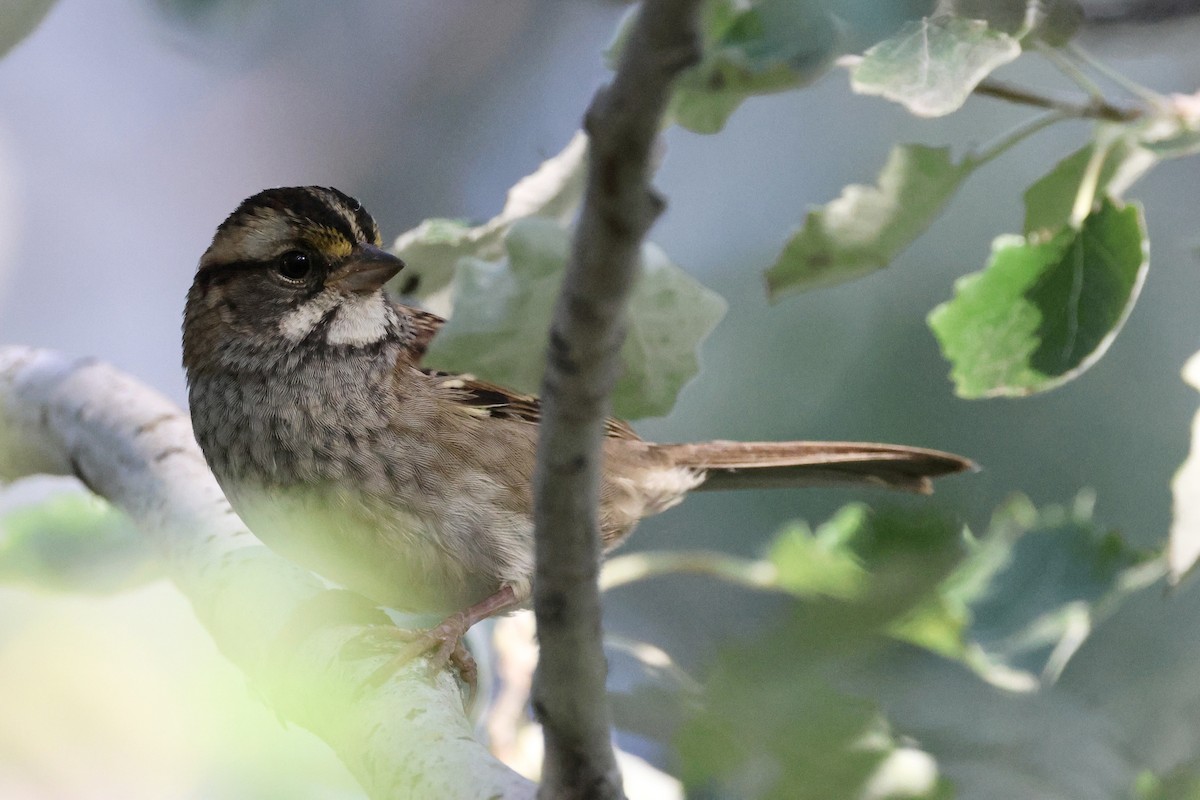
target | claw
[{"x": 445, "y": 642}]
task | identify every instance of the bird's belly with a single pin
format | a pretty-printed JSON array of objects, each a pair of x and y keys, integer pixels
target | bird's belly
[{"x": 394, "y": 560}]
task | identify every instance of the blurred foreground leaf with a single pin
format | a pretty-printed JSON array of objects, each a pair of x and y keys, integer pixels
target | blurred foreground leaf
[
  {"x": 865, "y": 228},
  {"x": 1036, "y": 584},
  {"x": 502, "y": 313},
  {"x": 432, "y": 249},
  {"x": 74, "y": 542},
  {"x": 1181, "y": 783},
  {"x": 932, "y": 65},
  {"x": 1184, "y": 548},
  {"x": 1041, "y": 313},
  {"x": 772, "y": 725}
]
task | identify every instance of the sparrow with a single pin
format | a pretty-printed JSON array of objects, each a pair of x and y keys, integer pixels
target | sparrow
[{"x": 406, "y": 484}]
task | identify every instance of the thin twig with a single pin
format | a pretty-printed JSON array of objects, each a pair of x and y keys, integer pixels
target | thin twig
[
  {"x": 1014, "y": 137},
  {"x": 1093, "y": 110},
  {"x": 585, "y": 337}
]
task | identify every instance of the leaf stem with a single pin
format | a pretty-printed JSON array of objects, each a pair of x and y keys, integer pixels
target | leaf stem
[
  {"x": 1085, "y": 197},
  {"x": 1078, "y": 76},
  {"x": 1013, "y": 137},
  {"x": 626, "y": 569},
  {"x": 1124, "y": 81}
]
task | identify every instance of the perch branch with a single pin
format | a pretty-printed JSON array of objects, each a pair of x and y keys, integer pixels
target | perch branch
[
  {"x": 406, "y": 739},
  {"x": 586, "y": 333}
]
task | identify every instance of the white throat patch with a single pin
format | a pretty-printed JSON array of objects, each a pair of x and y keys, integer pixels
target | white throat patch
[{"x": 358, "y": 321}]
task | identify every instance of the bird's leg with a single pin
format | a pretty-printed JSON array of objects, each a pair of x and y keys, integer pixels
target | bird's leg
[{"x": 445, "y": 639}]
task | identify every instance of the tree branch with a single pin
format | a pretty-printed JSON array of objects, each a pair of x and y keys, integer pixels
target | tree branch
[
  {"x": 585, "y": 337},
  {"x": 407, "y": 739}
]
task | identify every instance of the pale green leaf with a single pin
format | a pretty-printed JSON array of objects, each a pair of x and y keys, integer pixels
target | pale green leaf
[
  {"x": 865, "y": 228},
  {"x": 670, "y": 314},
  {"x": 432, "y": 249},
  {"x": 1184, "y": 548},
  {"x": 502, "y": 313},
  {"x": 1042, "y": 313},
  {"x": 931, "y": 66}
]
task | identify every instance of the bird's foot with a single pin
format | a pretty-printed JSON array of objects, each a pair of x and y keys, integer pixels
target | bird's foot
[{"x": 442, "y": 644}]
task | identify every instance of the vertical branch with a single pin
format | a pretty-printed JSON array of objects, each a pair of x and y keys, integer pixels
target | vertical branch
[{"x": 586, "y": 333}]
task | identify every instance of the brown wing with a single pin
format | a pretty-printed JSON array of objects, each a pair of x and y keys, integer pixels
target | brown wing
[
  {"x": 489, "y": 398},
  {"x": 496, "y": 401},
  {"x": 425, "y": 327}
]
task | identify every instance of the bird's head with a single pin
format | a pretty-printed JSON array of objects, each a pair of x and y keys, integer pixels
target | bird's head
[{"x": 288, "y": 266}]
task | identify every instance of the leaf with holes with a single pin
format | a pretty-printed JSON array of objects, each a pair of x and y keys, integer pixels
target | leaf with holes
[
  {"x": 931, "y": 66},
  {"x": 502, "y": 314},
  {"x": 865, "y": 228},
  {"x": 1041, "y": 313}
]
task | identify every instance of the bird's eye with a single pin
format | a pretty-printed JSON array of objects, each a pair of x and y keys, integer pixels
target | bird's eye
[{"x": 294, "y": 265}]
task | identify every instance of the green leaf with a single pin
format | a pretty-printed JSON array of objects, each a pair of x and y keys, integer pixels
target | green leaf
[
  {"x": 1051, "y": 199},
  {"x": 1048, "y": 577},
  {"x": 932, "y": 66},
  {"x": 1184, "y": 547},
  {"x": 74, "y": 542},
  {"x": 865, "y": 228},
  {"x": 749, "y": 47},
  {"x": 822, "y": 563},
  {"x": 432, "y": 249},
  {"x": 771, "y": 724},
  {"x": 502, "y": 313},
  {"x": 1041, "y": 313},
  {"x": 21, "y": 18}
]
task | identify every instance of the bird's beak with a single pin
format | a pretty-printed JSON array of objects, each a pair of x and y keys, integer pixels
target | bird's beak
[{"x": 366, "y": 270}]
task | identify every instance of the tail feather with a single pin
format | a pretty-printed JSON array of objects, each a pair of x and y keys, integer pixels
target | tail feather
[{"x": 745, "y": 465}]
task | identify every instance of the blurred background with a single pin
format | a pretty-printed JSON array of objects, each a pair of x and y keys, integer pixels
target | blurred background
[{"x": 129, "y": 130}]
